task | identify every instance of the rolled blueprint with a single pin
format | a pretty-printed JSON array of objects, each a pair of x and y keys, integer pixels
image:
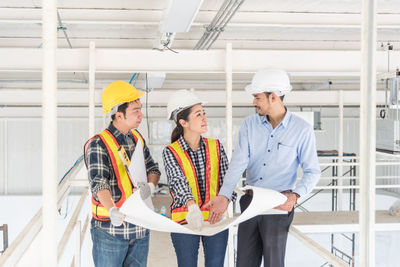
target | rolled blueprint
[{"x": 137, "y": 212}]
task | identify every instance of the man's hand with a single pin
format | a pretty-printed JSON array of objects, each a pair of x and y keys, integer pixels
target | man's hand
[
  {"x": 218, "y": 206},
  {"x": 195, "y": 217},
  {"x": 290, "y": 202},
  {"x": 117, "y": 218},
  {"x": 146, "y": 189}
]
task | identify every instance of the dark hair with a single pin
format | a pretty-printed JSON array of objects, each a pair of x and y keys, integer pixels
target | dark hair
[
  {"x": 269, "y": 93},
  {"x": 121, "y": 108},
  {"x": 178, "y": 130}
]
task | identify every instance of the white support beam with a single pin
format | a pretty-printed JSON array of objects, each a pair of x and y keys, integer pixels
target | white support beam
[
  {"x": 340, "y": 199},
  {"x": 5, "y": 156},
  {"x": 49, "y": 132},
  {"x": 241, "y": 19},
  {"x": 228, "y": 149},
  {"x": 159, "y": 98},
  {"x": 92, "y": 80},
  {"x": 368, "y": 133},
  {"x": 325, "y": 63},
  {"x": 77, "y": 256}
]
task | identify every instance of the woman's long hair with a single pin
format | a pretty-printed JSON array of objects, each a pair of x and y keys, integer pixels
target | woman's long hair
[{"x": 178, "y": 130}]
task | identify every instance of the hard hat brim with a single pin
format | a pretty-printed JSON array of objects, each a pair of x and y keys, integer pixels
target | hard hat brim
[
  {"x": 171, "y": 116},
  {"x": 279, "y": 92},
  {"x": 128, "y": 99}
]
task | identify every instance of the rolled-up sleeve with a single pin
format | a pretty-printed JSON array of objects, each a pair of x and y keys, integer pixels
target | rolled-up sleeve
[
  {"x": 98, "y": 167},
  {"x": 239, "y": 162},
  {"x": 308, "y": 159},
  {"x": 223, "y": 167},
  {"x": 177, "y": 182}
]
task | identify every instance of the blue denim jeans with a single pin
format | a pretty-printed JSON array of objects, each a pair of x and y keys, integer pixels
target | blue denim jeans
[
  {"x": 109, "y": 251},
  {"x": 187, "y": 249}
]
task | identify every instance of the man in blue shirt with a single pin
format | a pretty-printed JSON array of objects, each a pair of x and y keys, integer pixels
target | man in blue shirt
[{"x": 271, "y": 146}]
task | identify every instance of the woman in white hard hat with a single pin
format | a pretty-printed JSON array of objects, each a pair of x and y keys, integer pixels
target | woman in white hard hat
[{"x": 195, "y": 168}]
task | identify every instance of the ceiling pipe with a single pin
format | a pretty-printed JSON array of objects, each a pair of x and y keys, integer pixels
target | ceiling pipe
[{"x": 218, "y": 24}]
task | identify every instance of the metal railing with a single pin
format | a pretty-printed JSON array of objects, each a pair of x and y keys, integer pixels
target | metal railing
[
  {"x": 4, "y": 230},
  {"x": 22, "y": 244}
]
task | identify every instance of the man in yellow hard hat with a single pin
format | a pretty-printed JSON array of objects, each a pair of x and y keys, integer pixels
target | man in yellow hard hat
[{"x": 115, "y": 242}]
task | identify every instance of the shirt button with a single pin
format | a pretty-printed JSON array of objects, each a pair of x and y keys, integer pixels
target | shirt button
[
  {"x": 269, "y": 150},
  {"x": 264, "y": 164},
  {"x": 260, "y": 178},
  {"x": 272, "y": 135}
]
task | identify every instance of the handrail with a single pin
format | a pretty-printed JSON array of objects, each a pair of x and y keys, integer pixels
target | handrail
[
  {"x": 20, "y": 245},
  {"x": 71, "y": 224},
  {"x": 321, "y": 251}
]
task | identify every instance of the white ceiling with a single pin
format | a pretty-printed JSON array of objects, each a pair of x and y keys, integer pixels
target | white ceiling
[{"x": 258, "y": 25}]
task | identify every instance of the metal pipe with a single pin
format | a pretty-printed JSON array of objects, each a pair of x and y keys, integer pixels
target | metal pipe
[
  {"x": 92, "y": 79},
  {"x": 221, "y": 29},
  {"x": 221, "y": 11},
  {"x": 328, "y": 187},
  {"x": 214, "y": 29},
  {"x": 49, "y": 133},
  {"x": 367, "y": 141},
  {"x": 63, "y": 28},
  {"x": 217, "y": 27},
  {"x": 209, "y": 28}
]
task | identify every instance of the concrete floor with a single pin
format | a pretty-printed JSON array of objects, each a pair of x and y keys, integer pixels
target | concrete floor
[{"x": 162, "y": 253}]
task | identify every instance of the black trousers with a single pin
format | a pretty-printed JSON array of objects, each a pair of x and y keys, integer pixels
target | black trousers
[{"x": 264, "y": 235}]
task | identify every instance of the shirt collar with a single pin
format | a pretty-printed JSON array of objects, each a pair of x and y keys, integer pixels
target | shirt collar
[
  {"x": 185, "y": 145},
  {"x": 117, "y": 132},
  {"x": 286, "y": 119},
  {"x": 284, "y": 122}
]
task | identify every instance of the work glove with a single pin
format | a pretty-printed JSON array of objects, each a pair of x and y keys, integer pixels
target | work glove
[
  {"x": 195, "y": 217},
  {"x": 146, "y": 189},
  {"x": 116, "y": 216}
]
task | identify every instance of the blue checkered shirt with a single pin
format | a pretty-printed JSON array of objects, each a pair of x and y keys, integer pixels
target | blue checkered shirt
[{"x": 101, "y": 176}]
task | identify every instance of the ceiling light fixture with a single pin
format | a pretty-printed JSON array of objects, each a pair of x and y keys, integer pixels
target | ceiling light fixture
[{"x": 179, "y": 15}]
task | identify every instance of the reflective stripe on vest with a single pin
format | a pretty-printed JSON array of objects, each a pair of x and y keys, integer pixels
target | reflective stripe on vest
[
  {"x": 212, "y": 176},
  {"x": 122, "y": 176}
]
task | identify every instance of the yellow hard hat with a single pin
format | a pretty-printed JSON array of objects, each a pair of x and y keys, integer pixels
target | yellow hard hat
[{"x": 117, "y": 93}]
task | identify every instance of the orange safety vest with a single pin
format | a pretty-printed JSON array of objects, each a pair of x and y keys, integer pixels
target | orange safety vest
[
  {"x": 124, "y": 182},
  {"x": 212, "y": 177}
]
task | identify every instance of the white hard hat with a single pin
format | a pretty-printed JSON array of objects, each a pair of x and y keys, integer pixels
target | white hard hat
[
  {"x": 179, "y": 101},
  {"x": 270, "y": 80}
]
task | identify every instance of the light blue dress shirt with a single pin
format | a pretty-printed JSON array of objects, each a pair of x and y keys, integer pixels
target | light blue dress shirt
[{"x": 272, "y": 156}]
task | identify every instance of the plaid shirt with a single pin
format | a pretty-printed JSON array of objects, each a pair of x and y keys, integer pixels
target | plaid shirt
[
  {"x": 178, "y": 184},
  {"x": 102, "y": 176}
]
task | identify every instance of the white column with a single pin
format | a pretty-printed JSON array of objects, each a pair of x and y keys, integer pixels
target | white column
[
  {"x": 368, "y": 134},
  {"x": 77, "y": 257},
  {"x": 49, "y": 133},
  {"x": 106, "y": 117},
  {"x": 228, "y": 114},
  {"x": 228, "y": 119},
  {"x": 5, "y": 155},
  {"x": 92, "y": 79},
  {"x": 340, "y": 151}
]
